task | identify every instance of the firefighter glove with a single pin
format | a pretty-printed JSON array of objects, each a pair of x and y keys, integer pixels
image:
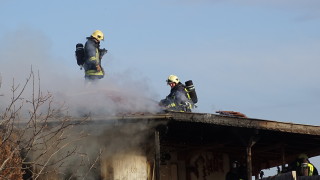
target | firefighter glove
[
  {"x": 98, "y": 68},
  {"x": 103, "y": 52}
]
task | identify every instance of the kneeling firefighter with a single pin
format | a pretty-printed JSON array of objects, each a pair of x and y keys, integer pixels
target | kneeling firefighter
[
  {"x": 89, "y": 56},
  {"x": 182, "y": 98}
]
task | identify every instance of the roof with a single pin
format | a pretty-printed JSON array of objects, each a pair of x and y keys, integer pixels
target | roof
[
  {"x": 272, "y": 140},
  {"x": 219, "y": 120}
]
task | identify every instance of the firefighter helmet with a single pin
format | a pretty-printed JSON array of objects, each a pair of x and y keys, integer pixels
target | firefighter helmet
[
  {"x": 173, "y": 78},
  {"x": 302, "y": 156},
  {"x": 98, "y": 35}
]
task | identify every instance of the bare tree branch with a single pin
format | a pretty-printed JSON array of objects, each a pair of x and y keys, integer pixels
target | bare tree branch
[
  {"x": 44, "y": 136},
  {"x": 93, "y": 164}
]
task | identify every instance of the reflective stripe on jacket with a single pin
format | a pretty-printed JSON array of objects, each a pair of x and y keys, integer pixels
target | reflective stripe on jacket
[{"x": 310, "y": 169}]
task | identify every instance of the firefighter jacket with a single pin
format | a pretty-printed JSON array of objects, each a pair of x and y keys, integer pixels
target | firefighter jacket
[
  {"x": 312, "y": 170},
  {"x": 305, "y": 168},
  {"x": 92, "y": 58},
  {"x": 178, "y": 99}
]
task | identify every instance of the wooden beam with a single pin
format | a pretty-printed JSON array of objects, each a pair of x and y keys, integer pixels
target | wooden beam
[
  {"x": 249, "y": 163},
  {"x": 157, "y": 153},
  {"x": 252, "y": 141}
]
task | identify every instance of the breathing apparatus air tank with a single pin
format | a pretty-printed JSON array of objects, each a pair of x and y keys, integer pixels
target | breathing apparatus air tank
[
  {"x": 79, "y": 54},
  {"x": 192, "y": 91}
]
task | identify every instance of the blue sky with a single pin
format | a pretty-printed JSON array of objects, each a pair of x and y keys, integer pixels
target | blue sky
[{"x": 260, "y": 58}]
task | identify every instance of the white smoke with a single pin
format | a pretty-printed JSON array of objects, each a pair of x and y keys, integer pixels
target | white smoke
[{"x": 27, "y": 49}]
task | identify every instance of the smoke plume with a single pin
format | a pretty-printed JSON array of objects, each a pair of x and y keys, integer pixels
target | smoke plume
[{"x": 27, "y": 50}]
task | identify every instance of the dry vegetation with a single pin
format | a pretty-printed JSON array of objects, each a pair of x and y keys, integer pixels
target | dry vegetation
[
  {"x": 11, "y": 161},
  {"x": 35, "y": 144}
]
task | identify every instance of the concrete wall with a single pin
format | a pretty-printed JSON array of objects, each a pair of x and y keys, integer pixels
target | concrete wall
[{"x": 129, "y": 166}]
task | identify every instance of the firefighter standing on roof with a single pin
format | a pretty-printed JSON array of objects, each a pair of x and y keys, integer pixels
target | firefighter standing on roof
[
  {"x": 93, "y": 56},
  {"x": 179, "y": 98}
]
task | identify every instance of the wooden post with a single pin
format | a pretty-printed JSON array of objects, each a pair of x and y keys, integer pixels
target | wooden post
[
  {"x": 249, "y": 162},
  {"x": 283, "y": 157},
  {"x": 251, "y": 142},
  {"x": 157, "y": 154}
]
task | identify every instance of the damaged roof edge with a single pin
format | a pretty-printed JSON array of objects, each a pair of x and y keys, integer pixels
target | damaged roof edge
[
  {"x": 247, "y": 123},
  {"x": 215, "y": 119}
]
